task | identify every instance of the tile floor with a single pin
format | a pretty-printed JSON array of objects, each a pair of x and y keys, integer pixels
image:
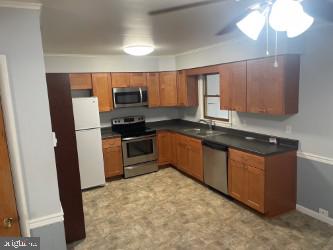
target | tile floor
[{"x": 166, "y": 210}]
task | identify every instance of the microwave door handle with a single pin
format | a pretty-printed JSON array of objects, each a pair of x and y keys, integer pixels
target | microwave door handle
[{"x": 141, "y": 97}]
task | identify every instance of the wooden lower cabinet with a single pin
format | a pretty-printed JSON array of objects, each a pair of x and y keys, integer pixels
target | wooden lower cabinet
[
  {"x": 195, "y": 158},
  {"x": 113, "y": 158},
  {"x": 183, "y": 152},
  {"x": 236, "y": 180},
  {"x": 255, "y": 183},
  {"x": 173, "y": 141},
  {"x": 182, "y": 156},
  {"x": 164, "y": 147},
  {"x": 266, "y": 184},
  {"x": 189, "y": 156}
]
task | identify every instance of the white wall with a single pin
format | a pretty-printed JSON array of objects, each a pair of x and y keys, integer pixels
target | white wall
[
  {"x": 314, "y": 122},
  {"x": 20, "y": 41},
  {"x": 91, "y": 63}
]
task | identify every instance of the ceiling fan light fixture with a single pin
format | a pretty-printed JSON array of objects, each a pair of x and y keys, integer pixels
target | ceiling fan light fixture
[
  {"x": 138, "y": 50},
  {"x": 288, "y": 15},
  {"x": 252, "y": 24},
  {"x": 282, "y": 13},
  {"x": 300, "y": 24}
]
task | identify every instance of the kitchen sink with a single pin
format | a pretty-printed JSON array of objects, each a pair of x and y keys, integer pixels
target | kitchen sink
[{"x": 203, "y": 132}]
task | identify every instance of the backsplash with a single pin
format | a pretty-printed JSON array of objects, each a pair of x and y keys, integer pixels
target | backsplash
[{"x": 152, "y": 115}]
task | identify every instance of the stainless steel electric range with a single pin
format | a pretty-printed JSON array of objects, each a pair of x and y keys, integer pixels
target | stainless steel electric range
[{"x": 138, "y": 145}]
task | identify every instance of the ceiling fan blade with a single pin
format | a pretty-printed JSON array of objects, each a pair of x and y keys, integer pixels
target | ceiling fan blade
[
  {"x": 231, "y": 26},
  {"x": 183, "y": 7},
  {"x": 319, "y": 8}
]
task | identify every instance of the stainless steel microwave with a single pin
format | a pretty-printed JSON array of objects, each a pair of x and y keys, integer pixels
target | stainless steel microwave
[{"x": 130, "y": 97}]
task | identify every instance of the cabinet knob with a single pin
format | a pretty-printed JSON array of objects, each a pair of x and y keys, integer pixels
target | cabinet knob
[{"x": 8, "y": 222}]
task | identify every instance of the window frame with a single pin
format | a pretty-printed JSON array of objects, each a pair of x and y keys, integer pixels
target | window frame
[{"x": 205, "y": 96}]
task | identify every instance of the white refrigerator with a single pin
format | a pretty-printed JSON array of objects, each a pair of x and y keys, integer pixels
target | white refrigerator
[{"x": 89, "y": 141}]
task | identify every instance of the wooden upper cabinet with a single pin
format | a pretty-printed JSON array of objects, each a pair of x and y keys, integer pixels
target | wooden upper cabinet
[
  {"x": 80, "y": 81},
  {"x": 168, "y": 89},
  {"x": 207, "y": 70},
  {"x": 273, "y": 90},
  {"x": 120, "y": 80},
  {"x": 153, "y": 84},
  {"x": 102, "y": 90},
  {"x": 233, "y": 86},
  {"x": 138, "y": 79},
  {"x": 187, "y": 89},
  {"x": 182, "y": 88}
]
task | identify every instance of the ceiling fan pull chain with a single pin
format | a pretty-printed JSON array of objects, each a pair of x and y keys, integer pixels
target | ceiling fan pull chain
[{"x": 276, "y": 50}]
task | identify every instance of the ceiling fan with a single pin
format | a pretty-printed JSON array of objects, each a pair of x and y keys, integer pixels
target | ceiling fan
[{"x": 322, "y": 9}]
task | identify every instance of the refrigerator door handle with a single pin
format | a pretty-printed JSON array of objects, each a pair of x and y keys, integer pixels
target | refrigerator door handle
[{"x": 141, "y": 96}]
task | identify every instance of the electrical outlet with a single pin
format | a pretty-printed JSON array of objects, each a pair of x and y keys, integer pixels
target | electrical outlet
[
  {"x": 323, "y": 212},
  {"x": 288, "y": 129}
]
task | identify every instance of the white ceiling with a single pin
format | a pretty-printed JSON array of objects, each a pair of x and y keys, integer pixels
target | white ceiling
[{"x": 105, "y": 26}]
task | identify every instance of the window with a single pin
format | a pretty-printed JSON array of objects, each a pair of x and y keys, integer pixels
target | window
[{"x": 211, "y": 99}]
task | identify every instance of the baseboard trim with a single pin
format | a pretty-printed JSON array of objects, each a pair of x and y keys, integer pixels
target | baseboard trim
[
  {"x": 314, "y": 157},
  {"x": 314, "y": 214},
  {"x": 46, "y": 220},
  {"x": 20, "y": 5}
]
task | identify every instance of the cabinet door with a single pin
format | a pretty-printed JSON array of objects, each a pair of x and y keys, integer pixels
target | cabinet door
[
  {"x": 195, "y": 164},
  {"x": 120, "y": 80},
  {"x": 164, "y": 147},
  {"x": 182, "y": 88},
  {"x": 192, "y": 91},
  {"x": 236, "y": 179},
  {"x": 182, "y": 153},
  {"x": 168, "y": 89},
  {"x": 254, "y": 193},
  {"x": 102, "y": 90},
  {"x": 265, "y": 86},
  {"x": 233, "y": 86},
  {"x": 138, "y": 79},
  {"x": 187, "y": 89},
  {"x": 173, "y": 151},
  {"x": 113, "y": 158},
  {"x": 80, "y": 81},
  {"x": 153, "y": 84}
]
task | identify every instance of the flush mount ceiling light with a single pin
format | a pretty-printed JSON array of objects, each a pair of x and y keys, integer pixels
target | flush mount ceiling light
[
  {"x": 139, "y": 50},
  {"x": 283, "y": 15}
]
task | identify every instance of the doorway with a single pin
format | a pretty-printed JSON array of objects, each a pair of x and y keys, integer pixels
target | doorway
[{"x": 12, "y": 190}]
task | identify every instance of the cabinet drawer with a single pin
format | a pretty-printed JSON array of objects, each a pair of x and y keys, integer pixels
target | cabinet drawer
[
  {"x": 114, "y": 142},
  {"x": 248, "y": 159}
]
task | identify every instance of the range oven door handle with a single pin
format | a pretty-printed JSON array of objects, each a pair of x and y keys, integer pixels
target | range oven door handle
[{"x": 139, "y": 138}]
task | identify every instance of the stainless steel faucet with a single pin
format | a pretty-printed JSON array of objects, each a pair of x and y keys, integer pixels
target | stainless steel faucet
[{"x": 210, "y": 123}]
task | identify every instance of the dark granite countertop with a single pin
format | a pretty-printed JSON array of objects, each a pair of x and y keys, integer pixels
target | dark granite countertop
[
  {"x": 257, "y": 143},
  {"x": 108, "y": 133}
]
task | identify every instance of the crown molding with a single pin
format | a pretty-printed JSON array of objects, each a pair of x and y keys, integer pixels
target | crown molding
[{"x": 20, "y": 5}]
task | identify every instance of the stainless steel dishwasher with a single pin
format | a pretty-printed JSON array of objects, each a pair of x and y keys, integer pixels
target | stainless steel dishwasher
[{"x": 215, "y": 166}]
